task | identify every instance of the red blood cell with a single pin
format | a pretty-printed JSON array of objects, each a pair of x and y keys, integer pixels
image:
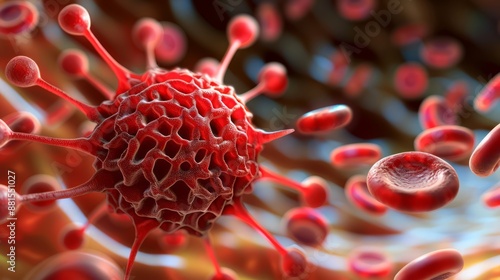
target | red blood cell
[
  {"x": 413, "y": 182},
  {"x": 485, "y": 159},
  {"x": 441, "y": 52},
  {"x": 17, "y": 17},
  {"x": 434, "y": 111},
  {"x": 314, "y": 191},
  {"x": 76, "y": 265},
  {"x": 358, "y": 80},
  {"x": 9, "y": 202},
  {"x": 355, "y": 155},
  {"x": 456, "y": 96},
  {"x": 488, "y": 96},
  {"x": 448, "y": 142},
  {"x": 306, "y": 226},
  {"x": 491, "y": 198},
  {"x": 357, "y": 193},
  {"x": 340, "y": 62},
  {"x": 355, "y": 9},
  {"x": 297, "y": 9},
  {"x": 324, "y": 119},
  {"x": 40, "y": 184},
  {"x": 411, "y": 80},
  {"x": 270, "y": 21},
  {"x": 369, "y": 262},
  {"x": 171, "y": 46},
  {"x": 408, "y": 34},
  {"x": 437, "y": 265}
]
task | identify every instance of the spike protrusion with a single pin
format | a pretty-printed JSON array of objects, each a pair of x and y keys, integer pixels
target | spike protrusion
[
  {"x": 242, "y": 32},
  {"x": 142, "y": 230},
  {"x": 273, "y": 81},
  {"x": 74, "y": 237},
  {"x": 79, "y": 144},
  {"x": 147, "y": 33},
  {"x": 75, "y": 63},
  {"x": 266, "y": 137},
  {"x": 75, "y": 20},
  {"x": 23, "y": 71},
  {"x": 294, "y": 261},
  {"x": 96, "y": 184},
  {"x": 314, "y": 189}
]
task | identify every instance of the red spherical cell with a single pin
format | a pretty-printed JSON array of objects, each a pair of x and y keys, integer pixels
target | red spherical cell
[
  {"x": 355, "y": 9},
  {"x": 74, "y": 62},
  {"x": 358, "y": 80},
  {"x": 434, "y": 111},
  {"x": 355, "y": 155},
  {"x": 171, "y": 46},
  {"x": 73, "y": 237},
  {"x": 356, "y": 191},
  {"x": 306, "y": 226},
  {"x": 22, "y": 71},
  {"x": 450, "y": 142},
  {"x": 340, "y": 62},
  {"x": 294, "y": 263},
  {"x": 408, "y": 34},
  {"x": 411, "y": 80},
  {"x": 485, "y": 159},
  {"x": 17, "y": 17},
  {"x": 273, "y": 78},
  {"x": 488, "y": 96},
  {"x": 413, "y": 182},
  {"x": 208, "y": 66},
  {"x": 456, "y": 96},
  {"x": 226, "y": 274},
  {"x": 146, "y": 33},
  {"x": 314, "y": 191},
  {"x": 437, "y": 265},
  {"x": 297, "y": 9},
  {"x": 76, "y": 265},
  {"x": 40, "y": 184},
  {"x": 74, "y": 19},
  {"x": 441, "y": 52},
  {"x": 271, "y": 23},
  {"x": 369, "y": 262},
  {"x": 491, "y": 198},
  {"x": 324, "y": 119},
  {"x": 243, "y": 29},
  {"x": 9, "y": 202}
]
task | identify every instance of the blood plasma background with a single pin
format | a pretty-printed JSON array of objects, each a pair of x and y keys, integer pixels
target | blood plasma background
[{"x": 323, "y": 51}]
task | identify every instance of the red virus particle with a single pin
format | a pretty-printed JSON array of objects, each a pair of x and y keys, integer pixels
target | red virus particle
[{"x": 174, "y": 149}]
